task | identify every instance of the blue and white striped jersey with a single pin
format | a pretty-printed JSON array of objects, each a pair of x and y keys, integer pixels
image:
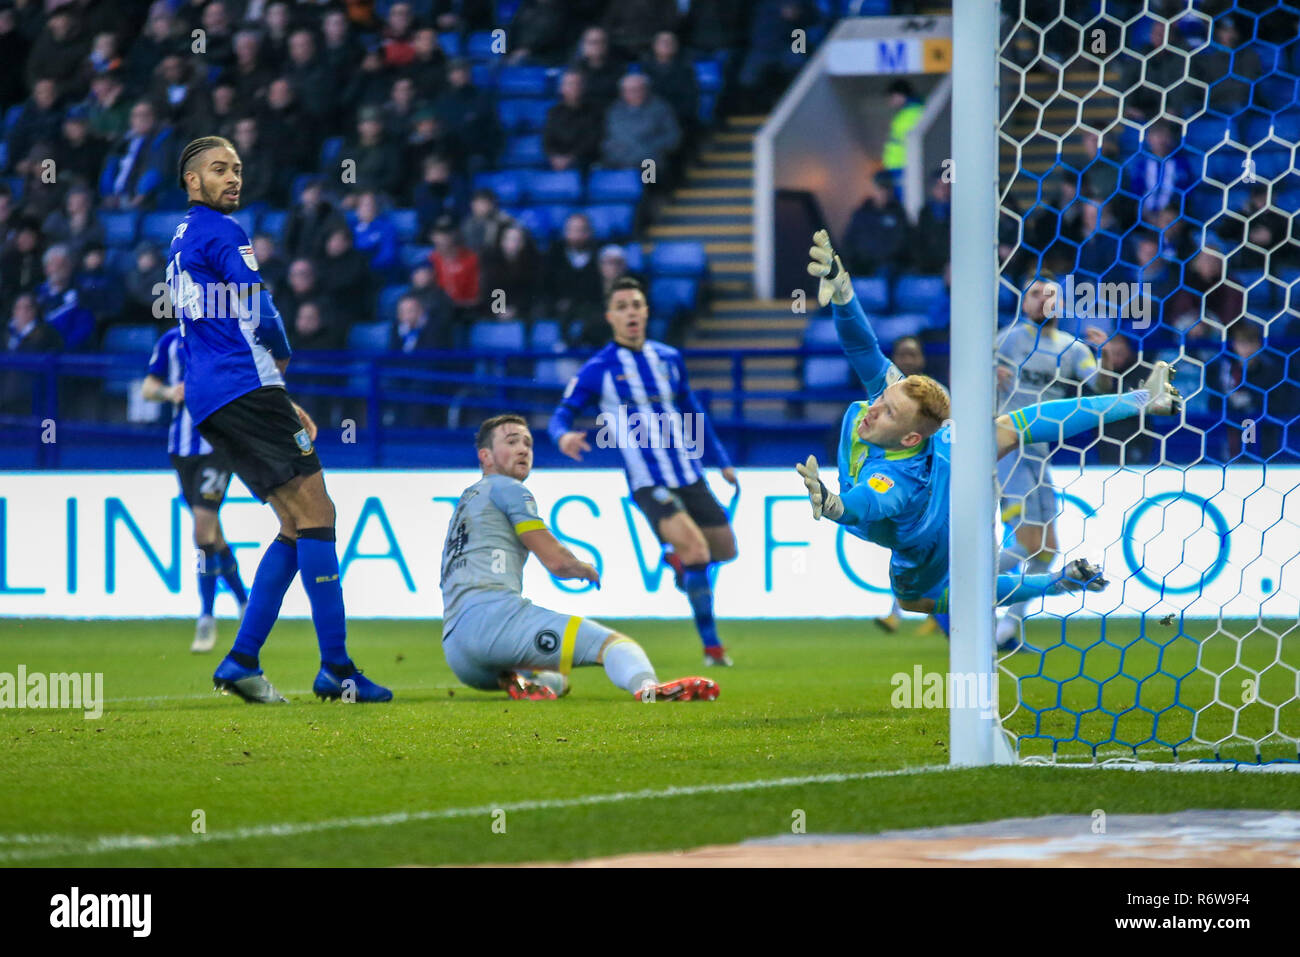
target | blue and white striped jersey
[
  {"x": 168, "y": 364},
  {"x": 230, "y": 328},
  {"x": 647, "y": 411}
]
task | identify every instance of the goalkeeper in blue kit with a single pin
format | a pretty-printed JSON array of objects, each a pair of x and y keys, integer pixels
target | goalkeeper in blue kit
[{"x": 895, "y": 470}]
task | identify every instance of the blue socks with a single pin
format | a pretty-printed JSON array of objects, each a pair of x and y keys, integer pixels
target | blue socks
[
  {"x": 700, "y": 592},
  {"x": 318, "y": 561},
  {"x": 209, "y": 568},
  {"x": 274, "y": 573},
  {"x": 229, "y": 569},
  {"x": 1056, "y": 420}
]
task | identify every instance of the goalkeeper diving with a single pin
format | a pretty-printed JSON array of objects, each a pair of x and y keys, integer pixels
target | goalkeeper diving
[{"x": 895, "y": 474}]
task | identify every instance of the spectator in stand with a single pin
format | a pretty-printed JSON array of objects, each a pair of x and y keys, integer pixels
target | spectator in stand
[
  {"x": 249, "y": 74},
  {"x": 310, "y": 221},
  {"x": 58, "y": 51},
  {"x": 20, "y": 261},
  {"x": 218, "y": 35},
  {"x": 8, "y": 214},
  {"x": 400, "y": 108},
  {"x": 14, "y": 47},
  {"x": 300, "y": 286},
  {"x": 39, "y": 121},
  {"x": 1156, "y": 175},
  {"x": 369, "y": 85},
  {"x": 1124, "y": 443},
  {"x": 541, "y": 31},
  {"x": 438, "y": 305},
  {"x": 270, "y": 264},
  {"x": 456, "y": 267},
  {"x": 1099, "y": 171},
  {"x": 341, "y": 52},
  {"x": 512, "y": 282},
  {"x": 1205, "y": 295},
  {"x": 600, "y": 71},
  {"x": 439, "y": 193},
  {"x": 140, "y": 164},
  {"x": 593, "y": 330},
  {"x": 878, "y": 238},
  {"x": 161, "y": 38},
  {"x": 41, "y": 192},
  {"x": 770, "y": 62},
  {"x": 638, "y": 127},
  {"x": 75, "y": 225},
  {"x": 221, "y": 109},
  {"x": 907, "y": 108},
  {"x": 1265, "y": 236},
  {"x": 181, "y": 97},
  {"x": 296, "y": 144},
  {"x": 141, "y": 292},
  {"x": 26, "y": 334},
  {"x": 399, "y": 37},
  {"x": 571, "y": 137},
  {"x": 1226, "y": 66},
  {"x": 470, "y": 116},
  {"x": 314, "y": 86},
  {"x": 310, "y": 330},
  {"x": 109, "y": 109},
  {"x": 78, "y": 156},
  {"x": 378, "y": 159},
  {"x": 673, "y": 80},
  {"x": 908, "y": 355},
  {"x": 934, "y": 226},
  {"x": 414, "y": 330},
  {"x": 428, "y": 70},
  {"x": 374, "y": 234},
  {"x": 466, "y": 16},
  {"x": 1247, "y": 377},
  {"x": 58, "y": 300},
  {"x": 260, "y": 183},
  {"x": 632, "y": 25},
  {"x": 572, "y": 275},
  {"x": 104, "y": 55},
  {"x": 345, "y": 278},
  {"x": 481, "y": 230},
  {"x": 278, "y": 24},
  {"x": 426, "y": 138},
  {"x": 99, "y": 290}
]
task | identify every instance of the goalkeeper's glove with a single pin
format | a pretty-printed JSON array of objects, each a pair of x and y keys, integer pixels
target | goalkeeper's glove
[
  {"x": 824, "y": 502},
  {"x": 835, "y": 285}
]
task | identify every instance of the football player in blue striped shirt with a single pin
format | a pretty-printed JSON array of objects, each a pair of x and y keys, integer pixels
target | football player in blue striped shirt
[
  {"x": 204, "y": 477},
  {"x": 648, "y": 411},
  {"x": 235, "y": 357}
]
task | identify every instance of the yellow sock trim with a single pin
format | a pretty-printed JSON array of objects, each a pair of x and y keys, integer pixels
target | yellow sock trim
[{"x": 566, "y": 646}]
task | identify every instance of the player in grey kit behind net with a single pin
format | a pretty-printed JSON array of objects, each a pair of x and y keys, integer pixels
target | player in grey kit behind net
[{"x": 492, "y": 636}]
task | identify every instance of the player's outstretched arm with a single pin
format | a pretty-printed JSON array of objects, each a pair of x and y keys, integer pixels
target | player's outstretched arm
[
  {"x": 855, "y": 333},
  {"x": 581, "y": 392},
  {"x": 153, "y": 389},
  {"x": 557, "y": 559}
]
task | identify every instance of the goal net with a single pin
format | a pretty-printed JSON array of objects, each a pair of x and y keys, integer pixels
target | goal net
[{"x": 1147, "y": 192}]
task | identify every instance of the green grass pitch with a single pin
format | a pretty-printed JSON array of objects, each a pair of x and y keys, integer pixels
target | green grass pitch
[{"x": 418, "y": 781}]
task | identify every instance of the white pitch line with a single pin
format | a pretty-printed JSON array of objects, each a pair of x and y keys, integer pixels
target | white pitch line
[{"x": 76, "y": 846}]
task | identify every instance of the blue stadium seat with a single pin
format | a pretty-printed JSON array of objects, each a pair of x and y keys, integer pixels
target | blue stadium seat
[
  {"x": 246, "y": 218},
  {"x": 556, "y": 214},
  {"x": 507, "y": 184},
  {"x": 611, "y": 222},
  {"x": 329, "y": 152},
  {"x": 708, "y": 75},
  {"x": 504, "y": 335},
  {"x": 120, "y": 227},
  {"x": 708, "y": 106},
  {"x": 657, "y": 328},
  {"x": 478, "y": 46},
  {"x": 820, "y": 332},
  {"x": 529, "y": 81},
  {"x": 1225, "y": 164},
  {"x": 388, "y": 299},
  {"x": 545, "y": 335},
  {"x": 873, "y": 293},
  {"x": 524, "y": 152},
  {"x": 1271, "y": 161},
  {"x": 1207, "y": 132},
  {"x": 481, "y": 76},
  {"x": 522, "y": 116},
  {"x": 684, "y": 258},
  {"x": 1008, "y": 300},
  {"x": 1286, "y": 125},
  {"x": 895, "y": 327},
  {"x": 826, "y": 372},
  {"x": 635, "y": 261},
  {"x": 369, "y": 337},
  {"x": 918, "y": 293},
  {"x": 546, "y": 186},
  {"x": 669, "y": 296},
  {"x": 159, "y": 227},
  {"x": 272, "y": 223},
  {"x": 552, "y": 372},
  {"x": 119, "y": 261},
  {"x": 12, "y": 116},
  {"x": 1277, "y": 91},
  {"x": 407, "y": 224},
  {"x": 614, "y": 186},
  {"x": 450, "y": 43},
  {"x": 172, "y": 199},
  {"x": 137, "y": 339},
  {"x": 414, "y": 257},
  {"x": 506, "y": 10},
  {"x": 536, "y": 220}
]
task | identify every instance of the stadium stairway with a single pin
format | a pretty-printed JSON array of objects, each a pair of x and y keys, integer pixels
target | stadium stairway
[{"x": 714, "y": 206}]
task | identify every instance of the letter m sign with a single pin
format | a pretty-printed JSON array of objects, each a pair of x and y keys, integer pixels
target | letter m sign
[{"x": 891, "y": 56}]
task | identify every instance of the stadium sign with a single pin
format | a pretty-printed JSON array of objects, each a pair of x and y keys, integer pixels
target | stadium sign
[{"x": 1200, "y": 542}]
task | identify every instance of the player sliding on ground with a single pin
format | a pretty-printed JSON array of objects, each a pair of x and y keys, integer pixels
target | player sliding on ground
[
  {"x": 894, "y": 473},
  {"x": 495, "y": 638}
]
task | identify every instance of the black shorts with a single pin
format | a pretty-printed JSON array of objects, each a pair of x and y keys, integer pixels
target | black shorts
[
  {"x": 696, "y": 500},
  {"x": 204, "y": 479},
  {"x": 260, "y": 436}
]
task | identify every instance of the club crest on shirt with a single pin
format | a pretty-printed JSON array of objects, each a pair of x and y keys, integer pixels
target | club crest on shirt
[
  {"x": 881, "y": 483},
  {"x": 303, "y": 442},
  {"x": 246, "y": 253}
]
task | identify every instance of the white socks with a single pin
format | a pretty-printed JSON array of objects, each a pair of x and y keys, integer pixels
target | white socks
[{"x": 627, "y": 665}]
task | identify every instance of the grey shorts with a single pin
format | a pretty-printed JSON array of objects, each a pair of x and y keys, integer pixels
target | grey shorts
[
  {"x": 1028, "y": 494},
  {"x": 511, "y": 633}
]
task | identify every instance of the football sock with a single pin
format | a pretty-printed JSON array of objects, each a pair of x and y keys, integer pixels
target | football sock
[
  {"x": 318, "y": 561},
  {"x": 209, "y": 568},
  {"x": 627, "y": 665},
  {"x": 700, "y": 593},
  {"x": 1060, "y": 418},
  {"x": 230, "y": 574},
  {"x": 274, "y": 574}
]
